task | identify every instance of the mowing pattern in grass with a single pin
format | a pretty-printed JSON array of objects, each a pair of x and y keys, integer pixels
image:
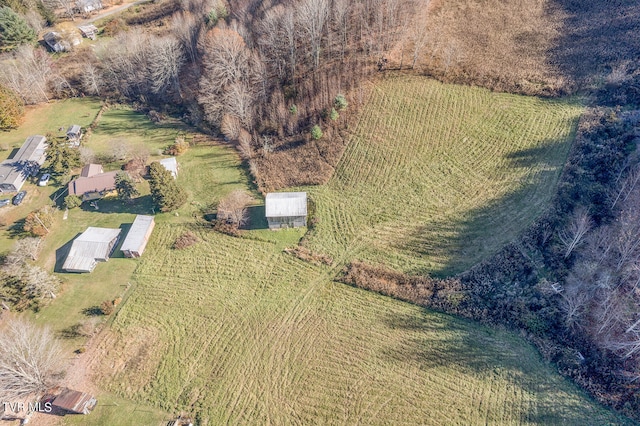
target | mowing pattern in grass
[
  {"x": 240, "y": 333},
  {"x": 436, "y": 177}
]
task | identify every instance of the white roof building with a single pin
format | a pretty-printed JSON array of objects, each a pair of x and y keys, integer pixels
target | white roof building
[
  {"x": 26, "y": 162},
  {"x": 286, "y": 209},
  {"x": 171, "y": 164},
  {"x": 138, "y": 236},
  {"x": 92, "y": 246}
]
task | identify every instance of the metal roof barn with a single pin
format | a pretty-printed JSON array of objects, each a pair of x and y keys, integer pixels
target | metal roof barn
[
  {"x": 26, "y": 162},
  {"x": 92, "y": 246},
  {"x": 286, "y": 209},
  {"x": 75, "y": 402},
  {"x": 171, "y": 164},
  {"x": 138, "y": 236}
]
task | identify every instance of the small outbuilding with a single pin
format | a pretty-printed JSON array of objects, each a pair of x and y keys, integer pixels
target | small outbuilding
[
  {"x": 88, "y": 6},
  {"x": 286, "y": 209},
  {"x": 27, "y": 162},
  {"x": 74, "y": 135},
  {"x": 92, "y": 246},
  {"x": 58, "y": 42},
  {"x": 171, "y": 164},
  {"x": 70, "y": 401},
  {"x": 89, "y": 31},
  {"x": 138, "y": 236}
]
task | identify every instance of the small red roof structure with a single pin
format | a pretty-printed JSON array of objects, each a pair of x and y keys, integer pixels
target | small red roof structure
[{"x": 74, "y": 402}]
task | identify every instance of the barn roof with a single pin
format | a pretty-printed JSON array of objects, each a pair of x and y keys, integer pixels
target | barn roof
[
  {"x": 138, "y": 233},
  {"x": 94, "y": 243},
  {"x": 171, "y": 164},
  {"x": 74, "y": 131},
  {"x": 96, "y": 183},
  {"x": 26, "y": 162},
  {"x": 284, "y": 204},
  {"x": 74, "y": 401}
]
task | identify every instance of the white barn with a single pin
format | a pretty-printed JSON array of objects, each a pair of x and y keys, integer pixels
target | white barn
[
  {"x": 92, "y": 246},
  {"x": 286, "y": 209},
  {"x": 138, "y": 236}
]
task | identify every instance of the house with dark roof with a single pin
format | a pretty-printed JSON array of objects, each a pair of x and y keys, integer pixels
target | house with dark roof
[{"x": 93, "y": 183}]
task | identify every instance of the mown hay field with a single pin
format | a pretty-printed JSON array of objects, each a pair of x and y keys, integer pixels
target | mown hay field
[
  {"x": 437, "y": 177},
  {"x": 235, "y": 331}
]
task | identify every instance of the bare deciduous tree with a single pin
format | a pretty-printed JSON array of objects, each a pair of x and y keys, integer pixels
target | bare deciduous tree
[
  {"x": 233, "y": 208},
  {"x": 28, "y": 74},
  {"x": 30, "y": 360},
  {"x": 575, "y": 231},
  {"x": 312, "y": 18},
  {"x": 39, "y": 284},
  {"x": 244, "y": 145},
  {"x": 186, "y": 27},
  {"x": 165, "y": 60},
  {"x": 231, "y": 77},
  {"x": 92, "y": 80},
  {"x": 65, "y": 5},
  {"x": 341, "y": 10}
]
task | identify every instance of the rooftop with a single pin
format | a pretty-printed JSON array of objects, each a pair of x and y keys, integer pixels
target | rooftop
[
  {"x": 284, "y": 204},
  {"x": 138, "y": 232},
  {"x": 96, "y": 183}
]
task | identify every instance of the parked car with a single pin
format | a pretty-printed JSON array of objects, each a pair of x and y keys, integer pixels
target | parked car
[
  {"x": 17, "y": 199},
  {"x": 44, "y": 179},
  {"x": 5, "y": 202}
]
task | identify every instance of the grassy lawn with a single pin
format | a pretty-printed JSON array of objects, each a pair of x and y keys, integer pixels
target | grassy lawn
[
  {"x": 49, "y": 119},
  {"x": 437, "y": 177}
]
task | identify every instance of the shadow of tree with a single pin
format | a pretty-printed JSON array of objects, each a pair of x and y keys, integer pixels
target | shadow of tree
[
  {"x": 478, "y": 233},
  {"x": 62, "y": 253},
  {"x": 597, "y": 38}
]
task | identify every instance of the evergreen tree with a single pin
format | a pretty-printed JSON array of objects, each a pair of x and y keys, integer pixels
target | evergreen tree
[
  {"x": 14, "y": 30},
  {"x": 60, "y": 157},
  {"x": 126, "y": 187},
  {"x": 166, "y": 193},
  {"x": 11, "y": 109}
]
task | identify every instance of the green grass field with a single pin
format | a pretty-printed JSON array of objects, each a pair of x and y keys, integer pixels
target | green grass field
[
  {"x": 238, "y": 332},
  {"x": 235, "y": 331},
  {"x": 437, "y": 177}
]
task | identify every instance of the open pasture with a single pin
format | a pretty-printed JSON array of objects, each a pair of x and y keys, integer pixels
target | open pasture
[
  {"x": 236, "y": 332},
  {"x": 437, "y": 177}
]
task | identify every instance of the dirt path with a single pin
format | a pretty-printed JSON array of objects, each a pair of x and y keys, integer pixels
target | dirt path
[
  {"x": 110, "y": 11},
  {"x": 78, "y": 376}
]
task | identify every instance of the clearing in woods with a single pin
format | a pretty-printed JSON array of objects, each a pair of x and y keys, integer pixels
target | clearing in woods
[
  {"x": 235, "y": 331},
  {"x": 437, "y": 177}
]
